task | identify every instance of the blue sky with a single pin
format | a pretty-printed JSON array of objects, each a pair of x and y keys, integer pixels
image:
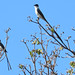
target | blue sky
[{"x": 14, "y": 13}]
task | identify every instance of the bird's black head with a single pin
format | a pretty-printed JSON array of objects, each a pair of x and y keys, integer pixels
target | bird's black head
[{"x": 36, "y": 5}]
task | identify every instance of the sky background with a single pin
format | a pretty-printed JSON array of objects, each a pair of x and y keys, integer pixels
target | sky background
[{"x": 14, "y": 13}]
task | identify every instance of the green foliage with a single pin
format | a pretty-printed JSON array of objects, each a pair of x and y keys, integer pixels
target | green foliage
[
  {"x": 61, "y": 48},
  {"x": 34, "y": 42},
  {"x": 49, "y": 62},
  {"x": 69, "y": 71},
  {"x": 38, "y": 51},
  {"x": 52, "y": 30},
  {"x": 72, "y": 63},
  {"x": 20, "y": 66},
  {"x": 31, "y": 53},
  {"x": 38, "y": 42}
]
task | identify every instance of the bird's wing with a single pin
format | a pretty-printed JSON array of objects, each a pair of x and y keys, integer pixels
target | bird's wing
[
  {"x": 41, "y": 14},
  {"x": 2, "y": 46}
]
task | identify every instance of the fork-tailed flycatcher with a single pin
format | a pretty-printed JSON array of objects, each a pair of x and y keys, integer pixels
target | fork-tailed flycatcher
[{"x": 40, "y": 14}]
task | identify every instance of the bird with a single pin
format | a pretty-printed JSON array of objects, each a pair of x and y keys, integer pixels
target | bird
[
  {"x": 2, "y": 47},
  {"x": 39, "y": 13}
]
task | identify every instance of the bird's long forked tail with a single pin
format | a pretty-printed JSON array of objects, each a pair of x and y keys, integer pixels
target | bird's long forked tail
[
  {"x": 55, "y": 33},
  {"x": 8, "y": 63}
]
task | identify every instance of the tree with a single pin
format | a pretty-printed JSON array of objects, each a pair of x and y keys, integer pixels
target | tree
[
  {"x": 42, "y": 57},
  {"x": 3, "y": 51}
]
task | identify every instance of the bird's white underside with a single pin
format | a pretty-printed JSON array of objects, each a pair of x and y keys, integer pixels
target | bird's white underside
[
  {"x": 0, "y": 48},
  {"x": 38, "y": 15}
]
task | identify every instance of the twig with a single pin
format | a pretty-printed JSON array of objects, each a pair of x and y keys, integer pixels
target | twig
[
  {"x": 53, "y": 37},
  {"x": 57, "y": 34},
  {"x": 8, "y": 63}
]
